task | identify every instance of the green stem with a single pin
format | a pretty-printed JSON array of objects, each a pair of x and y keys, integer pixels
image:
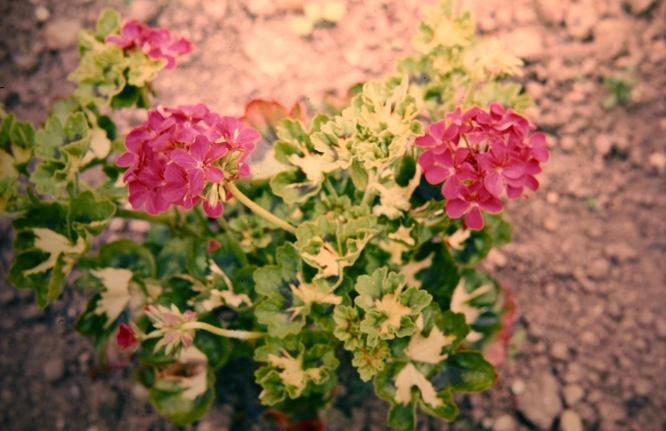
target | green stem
[
  {"x": 202, "y": 220},
  {"x": 258, "y": 210},
  {"x": 369, "y": 192},
  {"x": 138, "y": 215},
  {"x": 162, "y": 219},
  {"x": 329, "y": 187},
  {"x": 229, "y": 333}
]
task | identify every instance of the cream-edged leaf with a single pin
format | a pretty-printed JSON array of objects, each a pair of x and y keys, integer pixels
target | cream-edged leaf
[
  {"x": 54, "y": 244},
  {"x": 116, "y": 295}
]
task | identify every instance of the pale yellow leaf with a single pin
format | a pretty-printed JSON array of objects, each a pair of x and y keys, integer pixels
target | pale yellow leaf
[{"x": 409, "y": 377}]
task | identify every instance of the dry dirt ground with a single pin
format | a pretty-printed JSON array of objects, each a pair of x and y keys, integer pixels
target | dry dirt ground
[{"x": 587, "y": 264}]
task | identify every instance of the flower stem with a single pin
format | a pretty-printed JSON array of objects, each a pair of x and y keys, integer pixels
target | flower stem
[
  {"x": 258, "y": 210},
  {"x": 138, "y": 215},
  {"x": 162, "y": 219},
  {"x": 229, "y": 333}
]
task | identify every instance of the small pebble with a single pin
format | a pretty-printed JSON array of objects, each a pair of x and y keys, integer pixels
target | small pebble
[
  {"x": 42, "y": 14},
  {"x": 570, "y": 421},
  {"x": 657, "y": 161},
  {"x": 53, "y": 369},
  {"x": 518, "y": 387},
  {"x": 505, "y": 423},
  {"x": 573, "y": 394},
  {"x": 560, "y": 351}
]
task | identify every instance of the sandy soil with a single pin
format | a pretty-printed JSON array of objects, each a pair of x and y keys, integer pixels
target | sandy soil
[{"x": 586, "y": 265}]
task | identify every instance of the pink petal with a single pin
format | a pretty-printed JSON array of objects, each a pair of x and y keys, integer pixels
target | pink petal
[
  {"x": 199, "y": 148},
  {"x": 493, "y": 183},
  {"x": 491, "y": 204},
  {"x": 474, "y": 219},
  {"x": 436, "y": 174},
  {"x": 514, "y": 192},
  {"x": 532, "y": 183},
  {"x": 437, "y": 130},
  {"x": 425, "y": 141},
  {"x": 213, "y": 212},
  {"x": 455, "y": 208},
  {"x": 183, "y": 159},
  {"x": 452, "y": 188},
  {"x": 214, "y": 175},
  {"x": 216, "y": 151},
  {"x": 125, "y": 160}
]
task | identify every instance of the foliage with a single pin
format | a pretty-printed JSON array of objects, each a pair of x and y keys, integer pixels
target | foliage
[{"x": 340, "y": 250}]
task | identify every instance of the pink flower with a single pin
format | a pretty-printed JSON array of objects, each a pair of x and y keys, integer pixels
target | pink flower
[
  {"x": 481, "y": 156},
  {"x": 470, "y": 202},
  {"x": 156, "y": 43},
  {"x": 126, "y": 337},
  {"x": 183, "y": 156}
]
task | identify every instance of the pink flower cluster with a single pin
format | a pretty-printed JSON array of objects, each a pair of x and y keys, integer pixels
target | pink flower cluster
[
  {"x": 183, "y": 156},
  {"x": 481, "y": 156},
  {"x": 156, "y": 43}
]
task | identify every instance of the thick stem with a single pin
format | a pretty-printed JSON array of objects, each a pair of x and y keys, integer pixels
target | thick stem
[
  {"x": 138, "y": 215},
  {"x": 162, "y": 219},
  {"x": 258, "y": 210},
  {"x": 229, "y": 333}
]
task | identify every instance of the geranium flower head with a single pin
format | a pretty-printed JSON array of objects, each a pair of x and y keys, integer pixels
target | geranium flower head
[
  {"x": 156, "y": 43},
  {"x": 126, "y": 337},
  {"x": 171, "y": 327},
  {"x": 481, "y": 156},
  {"x": 184, "y": 156}
]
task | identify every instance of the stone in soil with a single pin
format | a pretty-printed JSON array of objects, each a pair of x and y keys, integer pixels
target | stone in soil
[
  {"x": 61, "y": 33},
  {"x": 559, "y": 350},
  {"x": 610, "y": 37},
  {"x": 639, "y": 6},
  {"x": 53, "y": 369},
  {"x": 657, "y": 161},
  {"x": 144, "y": 10},
  {"x": 573, "y": 394},
  {"x": 42, "y": 14},
  {"x": 620, "y": 252},
  {"x": 505, "y": 423},
  {"x": 580, "y": 20},
  {"x": 525, "y": 42},
  {"x": 570, "y": 421},
  {"x": 551, "y": 12},
  {"x": 598, "y": 269},
  {"x": 540, "y": 402}
]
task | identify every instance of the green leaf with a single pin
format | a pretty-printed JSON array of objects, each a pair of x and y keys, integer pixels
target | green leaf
[
  {"x": 108, "y": 22},
  {"x": 217, "y": 349},
  {"x": 50, "y": 178},
  {"x": 434, "y": 267},
  {"x": 295, "y": 367},
  {"x": 390, "y": 307},
  {"x": 185, "y": 393},
  {"x": 359, "y": 175},
  {"x": 127, "y": 254},
  {"x": 45, "y": 257},
  {"x": 77, "y": 135},
  {"x": 287, "y": 298},
  {"x": 87, "y": 212},
  {"x": 143, "y": 69},
  {"x": 101, "y": 73},
  {"x": 405, "y": 170},
  {"x": 407, "y": 386},
  {"x": 334, "y": 241},
  {"x": 22, "y": 134},
  {"x": 468, "y": 372},
  {"x": 93, "y": 324},
  {"x": 293, "y": 187},
  {"x": 116, "y": 292},
  {"x": 49, "y": 138}
]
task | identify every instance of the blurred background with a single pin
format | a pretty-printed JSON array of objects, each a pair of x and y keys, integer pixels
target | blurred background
[{"x": 587, "y": 262}]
